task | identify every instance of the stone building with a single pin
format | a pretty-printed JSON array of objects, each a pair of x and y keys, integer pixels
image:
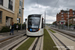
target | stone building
[{"x": 11, "y": 10}]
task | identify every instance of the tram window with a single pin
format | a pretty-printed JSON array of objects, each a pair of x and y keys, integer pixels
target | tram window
[
  {"x": 33, "y": 22},
  {"x": 42, "y": 23}
]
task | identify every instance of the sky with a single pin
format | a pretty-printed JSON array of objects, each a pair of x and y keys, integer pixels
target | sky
[{"x": 50, "y": 7}]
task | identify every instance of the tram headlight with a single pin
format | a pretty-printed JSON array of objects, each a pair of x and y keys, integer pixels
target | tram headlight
[
  {"x": 27, "y": 28},
  {"x": 39, "y": 28}
]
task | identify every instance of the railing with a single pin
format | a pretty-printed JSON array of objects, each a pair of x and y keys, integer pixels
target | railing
[{"x": 64, "y": 27}]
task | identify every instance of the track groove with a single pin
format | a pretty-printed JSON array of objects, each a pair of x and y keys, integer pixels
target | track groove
[
  {"x": 40, "y": 43},
  {"x": 35, "y": 44}
]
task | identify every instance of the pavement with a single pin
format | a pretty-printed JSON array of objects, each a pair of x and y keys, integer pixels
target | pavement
[
  {"x": 12, "y": 44},
  {"x": 7, "y": 34}
]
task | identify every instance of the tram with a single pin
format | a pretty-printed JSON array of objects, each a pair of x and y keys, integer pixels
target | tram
[{"x": 34, "y": 25}]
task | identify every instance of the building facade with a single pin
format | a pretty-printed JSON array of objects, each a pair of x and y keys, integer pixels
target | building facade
[
  {"x": 11, "y": 10},
  {"x": 72, "y": 20},
  {"x": 63, "y": 16}
]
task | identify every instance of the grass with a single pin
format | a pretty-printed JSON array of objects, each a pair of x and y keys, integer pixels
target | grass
[
  {"x": 26, "y": 44},
  {"x": 52, "y": 31},
  {"x": 48, "y": 42}
]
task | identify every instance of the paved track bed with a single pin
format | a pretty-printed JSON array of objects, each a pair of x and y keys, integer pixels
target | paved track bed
[
  {"x": 48, "y": 42},
  {"x": 65, "y": 32},
  {"x": 52, "y": 31}
]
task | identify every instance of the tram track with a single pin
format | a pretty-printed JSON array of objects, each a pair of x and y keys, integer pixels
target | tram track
[
  {"x": 41, "y": 44},
  {"x": 58, "y": 40},
  {"x": 67, "y": 33},
  {"x": 17, "y": 43},
  {"x": 38, "y": 40},
  {"x": 12, "y": 45},
  {"x": 9, "y": 40},
  {"x": 35, "y": 43},
  {"x": 38, "y": 44},
  {"x": 69, "y": 37}
]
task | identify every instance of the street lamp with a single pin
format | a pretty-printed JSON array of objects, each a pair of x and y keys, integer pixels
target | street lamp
[
  {"x": 74, "y": 21},
  {"x": 44, "y": 18},
  {"x": 21, "y": 18},
  {"x": 17, "y": 21},
  {"x": 68, "y": 19}
]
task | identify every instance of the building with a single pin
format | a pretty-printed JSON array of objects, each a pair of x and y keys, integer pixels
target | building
[
  {"x": 62, "y": 16},
  {"x": 72, "y": 20},
  {"x": 11, "y": 10}
]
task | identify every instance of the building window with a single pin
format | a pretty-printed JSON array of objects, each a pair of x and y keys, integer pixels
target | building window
[
  {"x": 67, "y": 12},
  {"x": 1, "y": 2},
  {"x": 19, "y": 11},
  {"x": 10, "y": 5},
  {"x": 70, "y": 19},
  {"x": 61, "y": 15},
  {"x": 19, "y": 20},
  {"x": 20, "y": 3},
  {"x": 67, "y": 18},
  {"x": 73, "y": 16},
  {"x": 73, "y": 12},
  {"x": 62, "y": 18},
  {"x": 74, "y": 19},
  {"x": 0, "y": 16}
]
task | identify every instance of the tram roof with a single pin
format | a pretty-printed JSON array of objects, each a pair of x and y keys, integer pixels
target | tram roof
[{"x": 35, "y": 14}]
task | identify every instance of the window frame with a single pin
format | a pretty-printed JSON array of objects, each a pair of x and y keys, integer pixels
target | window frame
[
  {"x": 1, "y": 2},
  {"x": 19, "y": 11},
  {"x": 10, "y": 5},
  {"x": 19, "y": 20},
  {"x": 73, "y": 12},
  {"x": 68, "y": 12},
  {"x": 62, "y": 13},
  {"x": 1, "y": 16},
  {"x": 20, "y": 3},
  {"x": 62, "y": 16}
]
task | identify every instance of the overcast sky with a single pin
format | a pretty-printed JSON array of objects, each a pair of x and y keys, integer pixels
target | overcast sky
[{"x": 52, "y": 7}]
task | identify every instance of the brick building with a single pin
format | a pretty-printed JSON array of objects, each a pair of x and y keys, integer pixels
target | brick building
[
  {"x": 72, "y": 20},
  {"x": 62, "y": 16},
  {"x": 11, "y": 10}
]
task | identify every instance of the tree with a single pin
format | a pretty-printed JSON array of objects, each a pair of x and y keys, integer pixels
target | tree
[{"x": 54, "y": 23}]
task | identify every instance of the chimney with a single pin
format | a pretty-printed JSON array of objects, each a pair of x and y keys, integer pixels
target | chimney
[{"x": 70, "y": 10}]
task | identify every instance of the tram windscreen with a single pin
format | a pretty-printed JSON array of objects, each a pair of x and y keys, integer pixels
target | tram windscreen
[{"x": 33, "y": 22}]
